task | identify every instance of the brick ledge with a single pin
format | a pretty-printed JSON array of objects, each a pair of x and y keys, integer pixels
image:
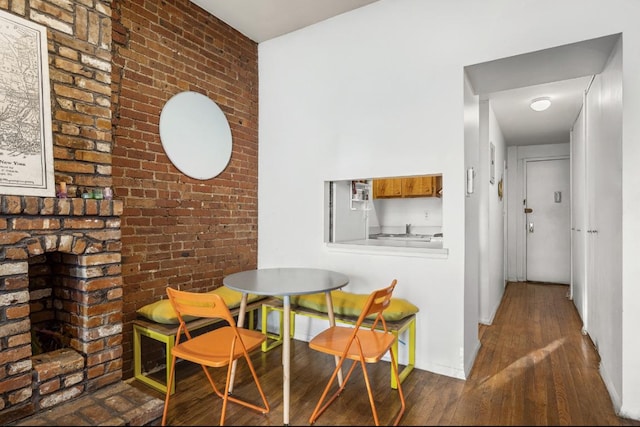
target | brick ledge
[{"x": 119, "y": 404}]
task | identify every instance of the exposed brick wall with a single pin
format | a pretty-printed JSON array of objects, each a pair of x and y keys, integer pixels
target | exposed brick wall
[
  {"x": 83, "y": 235},
  {"x": 79, "y": 47},
  {"x": 113, "y": 66},
  {"x": 178, "y": 231}
]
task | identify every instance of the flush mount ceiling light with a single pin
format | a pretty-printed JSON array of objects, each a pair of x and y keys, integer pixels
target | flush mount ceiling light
[{"x": 540, "y": 104}]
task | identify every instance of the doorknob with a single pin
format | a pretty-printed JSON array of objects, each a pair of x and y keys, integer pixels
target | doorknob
[
  {"x": 528, "y": 210},
  {"x": 531, "y": 227}
]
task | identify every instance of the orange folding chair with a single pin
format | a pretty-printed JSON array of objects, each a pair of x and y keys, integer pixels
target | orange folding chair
[
  {"x": 361, "y": 345},
  {"x": 217, "y": 348}
]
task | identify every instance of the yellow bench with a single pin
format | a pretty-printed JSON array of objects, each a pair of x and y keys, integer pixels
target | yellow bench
[
  {"x": 345, "y": 306},
  {"x": 157, "y": 321}
]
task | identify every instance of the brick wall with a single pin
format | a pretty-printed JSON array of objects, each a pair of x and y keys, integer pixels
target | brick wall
[
  {"x": 178, "y": 231},
  {"x": 83, "y": 235},
  {"x": 113, "y": 66},
  {"x": 79, "y": 47}
]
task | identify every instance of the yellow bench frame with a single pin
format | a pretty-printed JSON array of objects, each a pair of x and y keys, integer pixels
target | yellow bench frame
[
  {"x": 166, "y": 334},
  {"x": 397, "y": 328}
]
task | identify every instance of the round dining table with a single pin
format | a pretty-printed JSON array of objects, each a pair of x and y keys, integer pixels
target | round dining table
[{"x": 285, "y": 282}]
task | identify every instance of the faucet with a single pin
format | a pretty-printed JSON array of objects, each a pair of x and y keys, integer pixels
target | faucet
[{"x": 407, "y": 229}]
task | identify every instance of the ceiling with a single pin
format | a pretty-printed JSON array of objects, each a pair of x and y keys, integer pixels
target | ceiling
[
  {"x": 562, "y": 73},
  {"x": 261, "y": 20}
]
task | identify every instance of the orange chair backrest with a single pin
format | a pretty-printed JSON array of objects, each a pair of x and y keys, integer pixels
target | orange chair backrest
[
  {"x": 377, "y": 302},
  {"x": 197, "y": 304}
]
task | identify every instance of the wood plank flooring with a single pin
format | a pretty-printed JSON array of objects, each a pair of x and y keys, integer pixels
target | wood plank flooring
[{"x": 534, "y": 367}]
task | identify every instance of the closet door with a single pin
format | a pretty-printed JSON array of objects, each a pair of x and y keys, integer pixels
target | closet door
[{"x": 604, "y": 190}]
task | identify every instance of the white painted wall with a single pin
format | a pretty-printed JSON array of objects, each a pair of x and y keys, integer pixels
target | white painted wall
[
  {"x": 380, "y": 92},
  {"x": 605, "y": 290},
  {"x": 423, "y": 213},
  {"x": 578, "y": 215},
  {"x": 492, "y": 216},
  {"x": 472, "y": 226}
]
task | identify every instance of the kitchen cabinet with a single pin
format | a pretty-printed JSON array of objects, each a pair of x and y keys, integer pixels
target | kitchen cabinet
[
  {"x": 388, "y": 187},
  {"x": 412, "y": 186},
  {"x": 418, "y": 186},
  {"x": 438, "y": 186}
]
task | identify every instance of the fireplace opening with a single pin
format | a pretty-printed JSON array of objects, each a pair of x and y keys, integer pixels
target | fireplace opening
[
  {"x": 48, "y": 337},
  {"x": 49, "y": 304}
]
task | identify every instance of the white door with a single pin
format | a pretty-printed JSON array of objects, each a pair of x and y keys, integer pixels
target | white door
[
  {"x": 548, "y": 221},
  {"x": 604, "y": 205}
]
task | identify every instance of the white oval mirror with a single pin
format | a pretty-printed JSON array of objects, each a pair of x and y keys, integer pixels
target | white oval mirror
[{"x": 196, "y": 135}]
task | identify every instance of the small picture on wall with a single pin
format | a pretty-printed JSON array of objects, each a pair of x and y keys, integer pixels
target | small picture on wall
[{"x": 492, "y": 163}]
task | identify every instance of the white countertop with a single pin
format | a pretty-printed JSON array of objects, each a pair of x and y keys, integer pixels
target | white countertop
[{"x": 393, "y": 247}]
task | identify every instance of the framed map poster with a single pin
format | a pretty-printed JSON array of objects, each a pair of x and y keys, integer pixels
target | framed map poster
[{"x": 26, "y": 145}]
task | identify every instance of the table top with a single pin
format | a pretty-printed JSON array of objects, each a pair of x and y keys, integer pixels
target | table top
[{"x": 285, "y": 281}]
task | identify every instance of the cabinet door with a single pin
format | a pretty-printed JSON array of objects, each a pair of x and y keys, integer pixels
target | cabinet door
[
  {"x": 391, "y": 187},
  {"x": 438, "y": 186},
  {"x": 418, "y": 186}
]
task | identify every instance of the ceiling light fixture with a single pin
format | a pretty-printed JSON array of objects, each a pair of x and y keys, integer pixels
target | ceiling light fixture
[{"x": 540, "y": 104}]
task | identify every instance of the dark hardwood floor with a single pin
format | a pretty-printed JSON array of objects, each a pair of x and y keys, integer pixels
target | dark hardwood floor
[{"x": 534, "y": 368}]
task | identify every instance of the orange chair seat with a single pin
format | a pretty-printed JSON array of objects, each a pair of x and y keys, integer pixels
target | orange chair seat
[
  {"x": 212, "y": 348},
  {"x": 335, "y": 339}
]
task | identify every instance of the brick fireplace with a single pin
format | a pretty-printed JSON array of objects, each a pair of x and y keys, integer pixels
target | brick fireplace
[{"x": 70, "y": 251}]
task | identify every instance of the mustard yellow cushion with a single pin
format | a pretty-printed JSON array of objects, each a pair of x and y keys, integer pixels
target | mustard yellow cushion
[
  {"x": 162, "y": 311},
  {"x": 349, "y": 304}
]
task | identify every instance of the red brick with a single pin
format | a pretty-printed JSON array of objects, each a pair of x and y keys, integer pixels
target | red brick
[
  {"x": 15, "y": 382},
  {"x": 49, "y": 386}
]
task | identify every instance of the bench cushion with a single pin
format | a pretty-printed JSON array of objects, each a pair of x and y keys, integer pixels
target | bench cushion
[
  {"x": 162, "y": 311},
  {"x": 350, "y": 304}
]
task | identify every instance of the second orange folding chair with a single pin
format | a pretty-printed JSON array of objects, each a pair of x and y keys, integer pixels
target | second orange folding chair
[
  {"x": 361, "y": 345},
  {"x": 217, "y": 348}
]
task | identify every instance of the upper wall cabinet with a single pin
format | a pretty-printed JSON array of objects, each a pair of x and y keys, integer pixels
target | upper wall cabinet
[
  {"x": 412, "y": 186},
  {"x": 388, "y": 187},
  {"x": 418, "y": 186}
]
